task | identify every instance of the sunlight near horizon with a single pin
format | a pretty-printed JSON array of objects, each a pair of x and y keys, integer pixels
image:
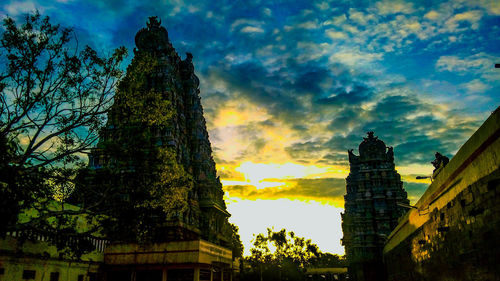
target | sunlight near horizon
[{"x": 311, "y": 219}]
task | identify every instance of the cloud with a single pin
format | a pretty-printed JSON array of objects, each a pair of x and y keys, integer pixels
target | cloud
[
  {"x": 394, "y": 7},
  {"x": 491, "y": 7},
  {"x": 354, "y": 94},
  {"x": 415, "y": 190},
  {"x": 246, "y": 23},
  {"x": 325, "y": 189},
  {"x": 479, "y": 64},
  {"x": 306, "y": 150},
  {"x": 308, "y": 25},
  {"x": 267, "y": 12},
  {"x": 432, "y": 15},
  {"x": 476, "y": 86},
  {"x": 353, "y": 57},
  {"x": 332, "y": 33},
  {"x": 462, "y": 65},
  {"x": 251, "y": 29},
  {"x": 472, "y": 17},
  {"x": 16, "y": 8}
]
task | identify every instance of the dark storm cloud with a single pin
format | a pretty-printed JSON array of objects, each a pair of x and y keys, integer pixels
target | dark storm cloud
[
  {"x": 285, "y": 92},
  {"x": 341, "y": 96},
  {"x": 306, "y": 150},
  {"x": 337, "y": 158},
  {"x": 341, "y": 143},
  {"x": 419, "y": 149},
  {"x": 257, "y": 84},
  {"x": 415, "y": 138},
  {"x": 309, "y": 79},
  {"x": 347, "y": 118},
  {"x": 397, "y": 106}
]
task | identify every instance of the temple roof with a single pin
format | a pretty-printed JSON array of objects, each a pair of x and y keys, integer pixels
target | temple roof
[
  {"x": 371, "y": 148},
  {"x": 152, "y": 38}
]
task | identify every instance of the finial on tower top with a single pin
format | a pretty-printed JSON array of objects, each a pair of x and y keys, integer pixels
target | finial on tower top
[
  {"x": 370, "y": 136},
  {"x": 153, "y": 38},
  {"x": 153, "y": 22}
]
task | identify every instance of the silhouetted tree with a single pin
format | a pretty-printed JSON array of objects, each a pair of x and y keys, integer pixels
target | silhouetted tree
[
  {"x": 279, "y": 255},
  {"x": 327, "y": 260},
  {"x": 236, "y": 244},
  {"x": 53, "y": 102}
]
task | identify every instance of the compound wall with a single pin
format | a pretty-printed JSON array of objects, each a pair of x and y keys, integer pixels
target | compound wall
[{"x": 453, "y": 234}]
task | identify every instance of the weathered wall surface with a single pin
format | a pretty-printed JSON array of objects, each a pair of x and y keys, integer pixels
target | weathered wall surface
[
  {"x": 176, "y": 252},
  {"x": 454, "y": 232},
  {"x": 43, "y": 260}
]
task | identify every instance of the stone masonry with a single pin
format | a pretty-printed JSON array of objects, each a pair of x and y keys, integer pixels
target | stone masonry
[{"x": 374, "y": 189}]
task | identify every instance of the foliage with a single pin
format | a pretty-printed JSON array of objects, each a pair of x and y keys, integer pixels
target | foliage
[
  {"x": 282, "y": 255},
  {"x": 327, "y": 260},
  {"x": 236, "y": 244},
  {"x": 139, "y": 175},
  {"x": 53, "y": 102},
  {"x": 53, "y": 98}
]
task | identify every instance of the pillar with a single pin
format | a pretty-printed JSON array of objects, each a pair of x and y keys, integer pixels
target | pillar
[{"x": 196, "y": 274}]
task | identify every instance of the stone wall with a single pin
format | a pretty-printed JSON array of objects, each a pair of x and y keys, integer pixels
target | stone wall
[
  {"x": 453, "y": 233},
  {"x": 41, "y": 261}
]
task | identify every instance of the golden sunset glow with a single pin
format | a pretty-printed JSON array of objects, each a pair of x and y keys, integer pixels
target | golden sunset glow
[
  {"x": 265, "y": 185},
  {"x": 312, "y": 219}
]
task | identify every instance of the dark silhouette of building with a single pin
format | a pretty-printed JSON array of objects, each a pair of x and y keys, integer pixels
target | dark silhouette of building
[
  {"x": 185, "y": 133},
  {"x": 452, "y": 232},
  {"x": 374, "y": 190}
]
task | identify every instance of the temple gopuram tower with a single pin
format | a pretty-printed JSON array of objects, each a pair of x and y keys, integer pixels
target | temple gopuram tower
[
  {"x": 158, "y": 77},
  {"x": 374, "y": 189},
  {"x": 154, "y": 146}
]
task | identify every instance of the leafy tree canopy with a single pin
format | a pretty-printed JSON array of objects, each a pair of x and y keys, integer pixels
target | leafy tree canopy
[
  {"x": 53, "y": 103},
  {"x": 236, "y": 244},
  {"x": 282, "y": 255}
]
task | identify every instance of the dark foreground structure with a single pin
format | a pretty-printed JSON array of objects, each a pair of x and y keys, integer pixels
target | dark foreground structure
[
  {"x": 192, "y": 244},
  {"x": 374, "y": 190},
  {"x": 453, "y": 233},
  {"x": 326, "y": 274}
]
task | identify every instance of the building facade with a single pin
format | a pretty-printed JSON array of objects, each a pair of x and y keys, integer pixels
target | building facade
[{"x": 373, "y": 191}]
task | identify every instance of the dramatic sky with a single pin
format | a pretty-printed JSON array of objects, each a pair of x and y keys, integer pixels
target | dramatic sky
[{"x": 289, "y": 86}]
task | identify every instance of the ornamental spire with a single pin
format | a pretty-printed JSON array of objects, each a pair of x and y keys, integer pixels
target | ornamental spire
[{"x": 153, "y": 38}]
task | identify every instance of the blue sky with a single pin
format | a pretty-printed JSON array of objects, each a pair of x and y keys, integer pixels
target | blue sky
[{"x": 289, "y": 86}]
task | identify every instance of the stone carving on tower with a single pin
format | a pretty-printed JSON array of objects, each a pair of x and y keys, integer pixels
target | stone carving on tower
[
  {"x": 374, "y": 189},
  {"x": 174, "y": 81}
]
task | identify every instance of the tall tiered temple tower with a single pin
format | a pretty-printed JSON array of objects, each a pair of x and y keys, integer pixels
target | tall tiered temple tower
[
  {"x": 174, "y": 82},
  {"x": 153, "y": 177},
  {"x": 374, "y": 189}
]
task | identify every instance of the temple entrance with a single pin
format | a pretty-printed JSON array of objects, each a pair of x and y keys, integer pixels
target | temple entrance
[
  {"x": 149, "y": 275},
  {"x": 180, "y": 275},
  {"x": 121, "y": 275}
]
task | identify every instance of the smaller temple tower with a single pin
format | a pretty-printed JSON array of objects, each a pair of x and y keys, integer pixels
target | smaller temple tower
[{"x": 374, "y": 189}]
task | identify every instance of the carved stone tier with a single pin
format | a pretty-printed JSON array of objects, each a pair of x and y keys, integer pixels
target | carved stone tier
[
  {"x": 176, "y": 81},
  {"x": 374, "y": 189}
]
